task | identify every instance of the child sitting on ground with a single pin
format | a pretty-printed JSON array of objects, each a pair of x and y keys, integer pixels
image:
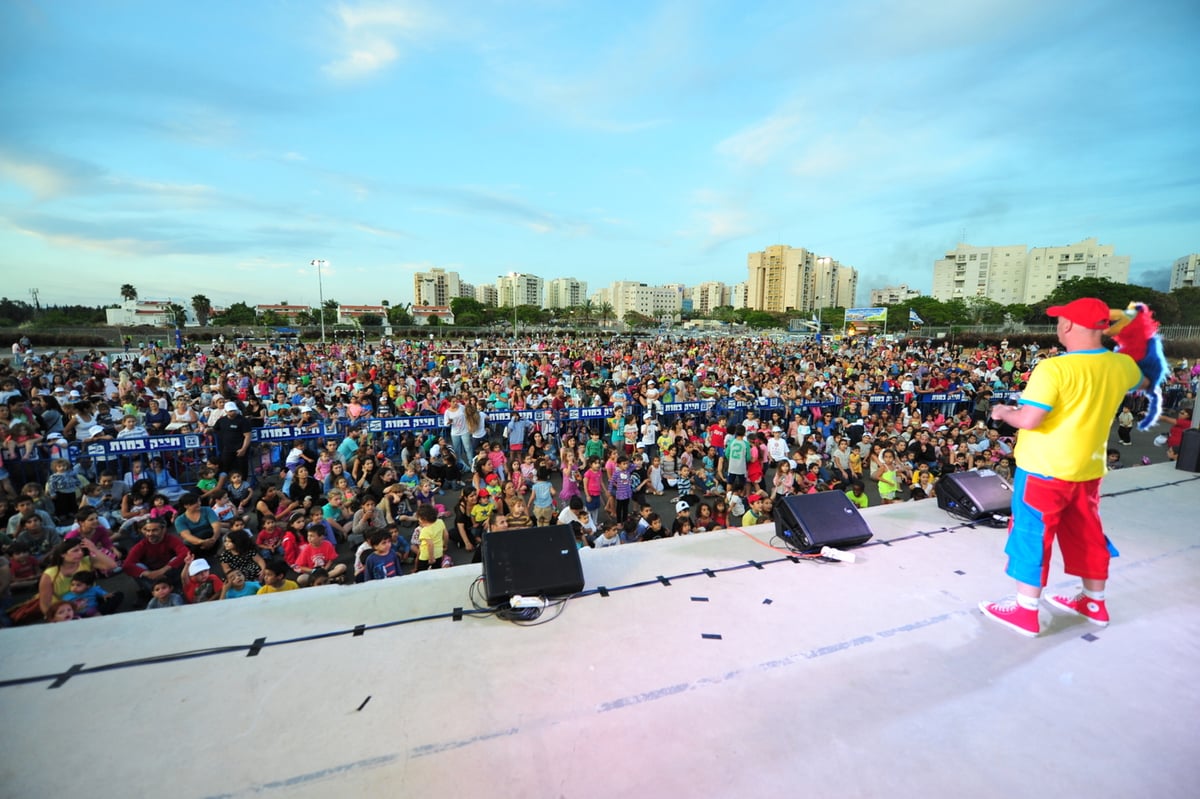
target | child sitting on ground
[
  {"x": 163, "y": 595},
  {"x": 237, "y": 586},
  {"x": 88, "y": 598}
]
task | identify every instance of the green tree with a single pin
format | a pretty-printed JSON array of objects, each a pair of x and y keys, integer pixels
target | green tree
[
  {"x": 587, "y": 311},
  {"x": 370, "y": 320},
  {"x": 176, "y": 315},
  {"x": 605, "y": 312},
  {"x": 128, "y": 292},
  {"x": 983, "y": 311},
  {"x": 13, "y": 313},
  {"x": 529, "y": 314},
  {"x": 1188, "y": 300},
  {"x": 330, "y": 311},
  {"x": 272, "y": 319},
  {"x": 761, "y": 320},
  {"x": 635, "y": 319},
  {"x": 237, "y": 314},
  {"x": 468, "y": 312},
  {"x": 400, "y": 315},
  {"x": 203, "y": 307},
  {"x": 723, "y": 313},
  {"x": 1117, "y": 295}
]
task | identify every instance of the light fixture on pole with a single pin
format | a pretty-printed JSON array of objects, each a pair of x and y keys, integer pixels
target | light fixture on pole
[{"x": 319, "y": 264}]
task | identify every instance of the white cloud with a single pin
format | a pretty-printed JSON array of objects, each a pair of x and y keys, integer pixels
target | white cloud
[
  {"x": 41, "y": 180},
  {"x": 369, "y": 36},
  {"x": 757, "y": 144},
  {"x": 379, "y": 231}
]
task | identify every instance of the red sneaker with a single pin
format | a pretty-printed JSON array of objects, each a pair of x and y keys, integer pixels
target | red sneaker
[
  {"x": 1094, "y": 610},
  {"x": 1013, "y": 616}
]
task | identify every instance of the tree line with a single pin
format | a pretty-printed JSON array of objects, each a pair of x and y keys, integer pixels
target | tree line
[{"x": 1178, "y": 307}]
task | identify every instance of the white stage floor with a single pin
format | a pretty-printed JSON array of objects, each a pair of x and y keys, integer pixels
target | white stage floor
[{"x": 878, "y": 678}]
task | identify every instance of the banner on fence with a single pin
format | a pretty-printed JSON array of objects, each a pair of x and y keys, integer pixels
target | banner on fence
[
  {"x": 130, "y": 446},
  {"x": 261, "y": 435}
]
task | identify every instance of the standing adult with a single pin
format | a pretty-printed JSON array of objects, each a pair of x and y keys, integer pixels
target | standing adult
[
  {"x": 455, "y": 417},
  {"x": 232, "y": 434},
  {"x": 1064, "y": 416}
]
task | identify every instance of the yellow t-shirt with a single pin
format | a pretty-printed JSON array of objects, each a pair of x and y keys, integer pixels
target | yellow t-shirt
[
  {"x": 432, "y": 539},
  {"x": 288, "y": 585},
  {"x": 1082, "y": 391}
]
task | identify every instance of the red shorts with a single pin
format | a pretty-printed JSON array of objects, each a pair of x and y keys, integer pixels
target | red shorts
[{"x": 1044, "y": 509}]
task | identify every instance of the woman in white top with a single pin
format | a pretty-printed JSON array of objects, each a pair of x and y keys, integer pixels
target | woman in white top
[{"x": 183, "y": 414}]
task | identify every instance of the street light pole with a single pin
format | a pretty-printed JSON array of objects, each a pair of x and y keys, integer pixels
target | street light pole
[{"x": 319, "y": 263}]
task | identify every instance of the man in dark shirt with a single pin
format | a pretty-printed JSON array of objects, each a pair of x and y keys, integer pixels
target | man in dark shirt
[
  {"x": 921, "y": 451},
  {"x": 232, "y": 434}
]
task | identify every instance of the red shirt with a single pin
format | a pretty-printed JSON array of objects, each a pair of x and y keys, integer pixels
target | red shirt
[{"x": 322, "y": 556}]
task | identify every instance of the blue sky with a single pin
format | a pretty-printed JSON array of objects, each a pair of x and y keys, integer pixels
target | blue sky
[{"x": 219, "y": 147}]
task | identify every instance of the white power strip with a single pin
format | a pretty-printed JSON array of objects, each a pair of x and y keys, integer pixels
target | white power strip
[{"x": 519, "y": 601}]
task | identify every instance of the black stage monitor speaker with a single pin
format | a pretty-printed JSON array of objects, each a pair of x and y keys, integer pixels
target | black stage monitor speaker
[
  {"x": 1189, "y": 451},
  {"x": 532, "y": 561},
  {"x": 824, "y": 519},
  {"x": 974, "y": 495}
]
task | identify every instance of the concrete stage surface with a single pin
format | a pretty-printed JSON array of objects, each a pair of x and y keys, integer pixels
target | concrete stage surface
[{"x": 877, "y": 678}]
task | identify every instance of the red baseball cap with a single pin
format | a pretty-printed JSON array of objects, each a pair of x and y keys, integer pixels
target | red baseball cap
[{"x": 1086, "y": 312}]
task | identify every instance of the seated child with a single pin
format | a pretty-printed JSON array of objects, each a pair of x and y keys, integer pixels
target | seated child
[
  {"x": 163, "y": 595},
  {"x": 88, "y": 598},
  {"x": 201, "y": 585},
  {"x": 318, "y": 553},
  {"x": 237, "y": 586}
]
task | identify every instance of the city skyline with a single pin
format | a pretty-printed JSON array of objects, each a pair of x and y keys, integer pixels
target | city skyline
[{"x": 220, "y": 149}]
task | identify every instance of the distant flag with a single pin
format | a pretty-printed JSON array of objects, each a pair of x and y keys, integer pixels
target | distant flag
[{"x": 912, "y": 317}]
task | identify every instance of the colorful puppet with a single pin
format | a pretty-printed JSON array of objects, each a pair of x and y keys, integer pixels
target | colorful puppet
[{"x": 1136, "y": 333}]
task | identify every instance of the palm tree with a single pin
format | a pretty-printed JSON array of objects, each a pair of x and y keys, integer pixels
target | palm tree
[
  {"x": 586, "y": 310},
  {"x": 128, "y": 292},
  {"x": 606, "y": 311},
  {"x": 203, "y": 307},
  {"x": 176, "y": 315}
]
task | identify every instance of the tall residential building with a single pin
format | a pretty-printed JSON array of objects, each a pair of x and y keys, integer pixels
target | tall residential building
[
  {"x": 739, "y": 295},
  {"x": 783, "y": 278},
  {"x": 1049, "y": 266},
  {"x": 652, "y": 301},
  {"x": 1014, "y": 274},
  {"x": 564, "y": 292},
  {"x": 486, "y": 294},
  {"x": 1183, "y": 272},
  {"x": 997, "y": 273},
  {"x": 519, "y": 289},
  {"x": 709, "y": 295},
  {"x": 436, "y": 287},
  {"x": 893, "y": 295},
  {"x": 836, "y": 285}
]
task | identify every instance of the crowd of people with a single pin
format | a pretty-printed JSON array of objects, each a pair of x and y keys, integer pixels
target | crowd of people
[{"x": 710, "y": 431}]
